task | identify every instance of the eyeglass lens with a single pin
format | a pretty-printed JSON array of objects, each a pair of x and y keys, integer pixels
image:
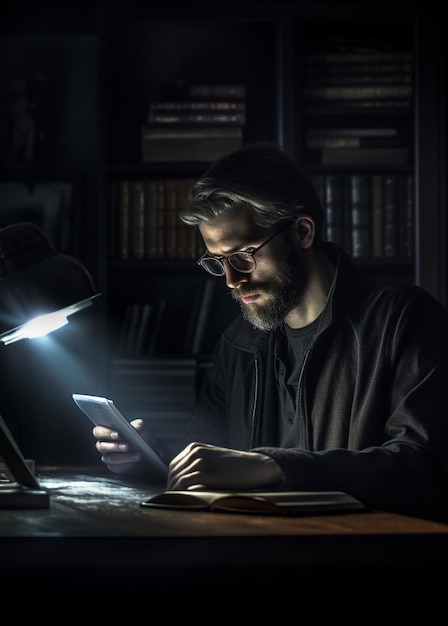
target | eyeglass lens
[{"x": 241, "y": 261}]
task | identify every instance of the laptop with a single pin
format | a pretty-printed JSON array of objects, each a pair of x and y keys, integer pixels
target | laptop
[{"x": 19, "y": 487}]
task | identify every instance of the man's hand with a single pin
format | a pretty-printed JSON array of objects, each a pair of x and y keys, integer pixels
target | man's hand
[
  {"x": 202, "y": 466},
  {"x": 116, "y": 453}
]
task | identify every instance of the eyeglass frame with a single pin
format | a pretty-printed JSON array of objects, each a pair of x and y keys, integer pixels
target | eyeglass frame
[{"x": 252, "y": 254}]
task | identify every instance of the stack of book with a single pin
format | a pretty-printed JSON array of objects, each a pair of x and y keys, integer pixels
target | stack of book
[
  {"x": 160, "y": 391},
  {"x": 356, "y": 146},
  {"x": 195, "y": 123},
  {"x": 358, "y": 82},
  {"x": 145, "y": 326}
]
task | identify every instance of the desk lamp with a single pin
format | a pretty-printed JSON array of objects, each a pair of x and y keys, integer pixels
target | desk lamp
[{"x": 39, "y": 289}]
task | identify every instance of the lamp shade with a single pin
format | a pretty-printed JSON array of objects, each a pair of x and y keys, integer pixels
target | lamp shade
[{"x": 35, "y": 278}]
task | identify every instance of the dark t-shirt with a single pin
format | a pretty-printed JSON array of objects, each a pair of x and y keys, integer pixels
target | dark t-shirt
[{"x": 288, "y": 364}]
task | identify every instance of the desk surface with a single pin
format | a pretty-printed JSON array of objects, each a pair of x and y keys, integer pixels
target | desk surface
[{"x": 95, "y": 525}]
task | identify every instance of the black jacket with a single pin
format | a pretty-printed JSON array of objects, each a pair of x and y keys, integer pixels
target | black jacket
[{"x": 373, "y": 396}]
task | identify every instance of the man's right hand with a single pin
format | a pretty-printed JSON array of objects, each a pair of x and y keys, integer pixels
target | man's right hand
[{"x": 117, "y": 454}]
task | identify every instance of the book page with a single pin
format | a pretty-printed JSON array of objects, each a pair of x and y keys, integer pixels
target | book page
[{"x": 265, "y": 502}]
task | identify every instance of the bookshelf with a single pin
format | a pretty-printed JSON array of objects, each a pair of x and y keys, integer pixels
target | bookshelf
[
  {"x": 117, "y": 73},
  {"x": 357, "y": 103}
]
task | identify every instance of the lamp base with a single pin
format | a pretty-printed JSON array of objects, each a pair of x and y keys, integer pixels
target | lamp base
[{"x": 13, "y": 496}]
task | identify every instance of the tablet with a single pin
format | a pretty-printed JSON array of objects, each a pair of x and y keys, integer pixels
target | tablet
[{"x": 103, "y": 412}]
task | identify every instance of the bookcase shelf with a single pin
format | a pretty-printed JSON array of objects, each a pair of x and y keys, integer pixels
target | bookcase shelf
[{"x": 106, "y": 62}]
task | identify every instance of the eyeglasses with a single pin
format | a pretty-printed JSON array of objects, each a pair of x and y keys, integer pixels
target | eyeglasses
[{"x": 240, "y": 261}]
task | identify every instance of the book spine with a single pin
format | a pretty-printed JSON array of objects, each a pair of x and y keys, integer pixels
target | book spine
[
  {"x": 192, "y": 150},
  {"x": 235, "y": 91},
  {"x": 203, "y": 314},
  {"x": 131, "y": 331},
  {"x": 124, "y": 203},
  {"x": 114, "y": 241},
  {"x": 378, "y": 57},
  {"x": 372, "y": 72},
  {"x": 160, "y": 219},
  {"x": 151, "y": 219},
  {"x": 196, "y": 118},
  {"x": 361, "y": 215},
  {"x": 333, "y": 142},
  {"x": 349, "y": 78},
  {"x": 156, "y": 329},
  {"x": 406, "y": 216},
  {"x": 377, "y": 215},
  {"x": 137, "y": 220},
  {"x": 143, "y": 330},
  {"x": 188, "y": 132},
  {"x": 190, "y": 106},
  {"x": 334, "y": 210},
  {"x": 386, "y": 104},
  {"x": 185, "y": 235},
  {"x": 365, "y": 156},
  {"x": 390, "y": 216},
  {"x": 170, "y": 210},
  {"x": 362, "y": 92},
  {"x": 366, "y": 131}
]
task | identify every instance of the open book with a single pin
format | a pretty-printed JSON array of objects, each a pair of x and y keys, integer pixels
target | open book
[{"x": 260, "y": 502}]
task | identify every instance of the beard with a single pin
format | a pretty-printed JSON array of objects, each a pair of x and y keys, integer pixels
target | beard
[{"x": 282, "y": 294}]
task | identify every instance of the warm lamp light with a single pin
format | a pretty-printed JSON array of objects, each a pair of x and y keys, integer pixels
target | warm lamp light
[{"x": 40, "y": 288}]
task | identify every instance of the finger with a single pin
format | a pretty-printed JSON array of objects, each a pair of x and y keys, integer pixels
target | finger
[
  {"x": 103, "y": 432},
  {"x": 111, "y": 446}
]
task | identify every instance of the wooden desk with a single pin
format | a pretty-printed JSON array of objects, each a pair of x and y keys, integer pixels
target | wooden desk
[{"x": 96, "y": 535}]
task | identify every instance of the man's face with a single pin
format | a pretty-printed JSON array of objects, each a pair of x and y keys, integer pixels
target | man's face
[{"x": 276, "y": 286}]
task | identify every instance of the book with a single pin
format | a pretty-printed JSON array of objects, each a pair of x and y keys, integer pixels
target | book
[
  {"x": 390, "y": 215},
  {"x": 132, "y": 324},
  {"x": 160, "y": 218},
  {"x": 137, "y": 220},
  {"x": 360, "y": 197},
  {"x": 186, "y": 246},
  {"x": 406, "y": 216},
  {"x": 202, "y": 315},
  {"x": 189, "y": 106},
  {"x": 379, "y": 57},
  {"x": 114, "y": 241},
  {"x": 154, "y": 339},
  {"x": 213, "y": 91},
  {"x": 170, "y": 217},
  {"x": 151, "y": 213},
  {"x": 365, "y": 156},
  {"x": 355, "y": 92},
  {"x": 334, "y": 208},
  {"x": 123, "y": 213},
  {"x": 367, "y": 131},
  {"x": 386, "y": 104},
  {"x": 203, "y": 117},
  {"x": 370, "y": 77},
  {"x": 188, "y": 149},
  {"x": 258, "y": 502},
  {"x": 189, "y": 131},
  {"x": 160, "y": 390},
  {"x": 377, "y": 215},
  {"x": 313, "y": 143},
  {"x": 401, "y": 70},
  {"x": 143, "y": 332}
]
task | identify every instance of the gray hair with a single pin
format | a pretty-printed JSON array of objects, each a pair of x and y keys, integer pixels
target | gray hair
[{"x": 260, "y": 176}]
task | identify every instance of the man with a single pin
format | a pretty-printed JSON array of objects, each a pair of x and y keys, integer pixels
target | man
[{"x": 329, "y": 380}]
